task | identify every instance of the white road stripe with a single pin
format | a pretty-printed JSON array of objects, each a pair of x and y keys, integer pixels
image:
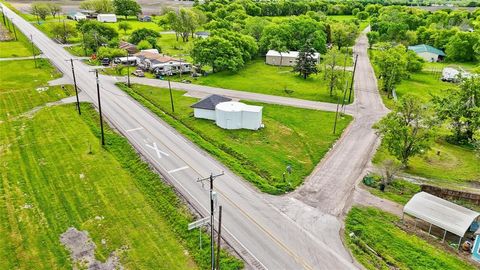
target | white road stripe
[
  {"x": 133, "y": 129},
  {"x": 178, "y": 169}
]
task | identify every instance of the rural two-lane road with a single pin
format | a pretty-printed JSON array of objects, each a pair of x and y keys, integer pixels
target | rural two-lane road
[{"x": 268, "y": 232}]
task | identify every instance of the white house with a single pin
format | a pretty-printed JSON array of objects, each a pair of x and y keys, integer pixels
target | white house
[
  {"x": 277, "y": 58},
  {"x": 205, "y": 108},
  {"x": 228, "y": 114},
  {"x": 428, "y": 53},
  {"x": 107, "y": 18}
]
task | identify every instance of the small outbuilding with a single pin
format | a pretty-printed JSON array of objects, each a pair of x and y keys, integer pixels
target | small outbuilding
[
  {"x": 276, "y": 58},
  {"x": 446, "y": 215},
  {"x": 145, "y": 18},
  {"x": 107, "y": 18},
  {"x": 428, "y": 53},
  {"x": 228, "y": 114},
  {"x": 202, "y": 34},
  {"x": 205, "y": 108}
]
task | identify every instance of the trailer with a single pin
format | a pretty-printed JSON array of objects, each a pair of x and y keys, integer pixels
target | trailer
[{"x": 107, "y": 18}]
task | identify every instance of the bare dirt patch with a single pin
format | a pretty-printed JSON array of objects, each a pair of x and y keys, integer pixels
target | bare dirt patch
[{"x": 82, "y": 251}]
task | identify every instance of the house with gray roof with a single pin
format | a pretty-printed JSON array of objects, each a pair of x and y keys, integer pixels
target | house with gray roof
[
  {"x": 205, "y": 108},
  {"x": 428, "y": 53}
]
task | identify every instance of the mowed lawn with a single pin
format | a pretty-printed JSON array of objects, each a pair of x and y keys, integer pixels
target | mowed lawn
[
  {"x": 55, "y": 175},
  {"x": 445, "y": 164},
  {"x": 395, "y": 248},
  {"x": 14, "y": 48},
  {"x": 292, "y": 136},
  {"x": 421, "y": 85},
  {"x": 25, "y": 87},
  {"x": 259, "y": 77}
]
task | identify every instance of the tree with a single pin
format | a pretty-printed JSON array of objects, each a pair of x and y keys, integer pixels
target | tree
[
  {"x": 40, "y": 10},
  {"x": 461, "y": 107},
  {"x": 460, "y": 47},
  {"x": 54, "y": 8},
  {"x": 110, "y": 53},
  {"x": 126, "y": 8},
  {"x": 362, "y": 15},
  {"x": 125, "y": 26},
  {"x": 254, "y": 27},
  {"x": 63, "y": 31},
  {"x": 344, "y": 34},
  {"x": 406, "y": 131},
  {"x": 142, "y": 34},
  {"x": 414, "y": 62},
  {"x": 95, "y": 34},
  {"x": 332, "y": 74},
  {"x": 99, "y": 6},
  {"x": 144, "y": 45},
  {"x": 373, "y": 38},
  {"x": 184, "y": 22},
  {"x": 392, "y": 65},
  {"x": 306, "y": 63},
  {"x": 218, "y": 53}
]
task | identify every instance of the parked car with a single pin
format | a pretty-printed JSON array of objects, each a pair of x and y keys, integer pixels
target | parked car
[
  {"x": 105, "y": 62},
  {"x": 138, "y": 73}
]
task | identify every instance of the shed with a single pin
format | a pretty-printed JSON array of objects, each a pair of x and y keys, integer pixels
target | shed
[
  {"x": 427, "y": 52},
  {"x": 441, "y": 213},
  {"x": 277, "y": 58},
  {"x": 237, "y": 115},
  {"x": 145, "y": 18},
  {"x": 202, "y": 34},
  {"x": 205, "y": 108},
  {"x": 107, "y": 18}
]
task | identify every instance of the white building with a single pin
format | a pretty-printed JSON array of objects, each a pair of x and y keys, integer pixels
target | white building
[
  {"x": 228, "y": 114},
  {"x": 107, "y": 18},
  {"x": 276, "y": 58},
  {"x": 162, "y": 64},
  {"x": 428, "y": 53}
]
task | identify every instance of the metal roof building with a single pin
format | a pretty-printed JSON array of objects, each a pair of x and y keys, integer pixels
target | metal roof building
[
  {"x": 427, "y": 52},
  {"x": 441, "y": 213}
]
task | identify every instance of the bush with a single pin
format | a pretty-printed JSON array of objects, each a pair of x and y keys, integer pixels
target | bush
[
  {"x": 144, "y": 44},
  {"x": 106, "y": 52}
]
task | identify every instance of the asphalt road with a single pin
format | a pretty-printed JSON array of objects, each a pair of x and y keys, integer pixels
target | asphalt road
[{"x": 254, "y": 224}]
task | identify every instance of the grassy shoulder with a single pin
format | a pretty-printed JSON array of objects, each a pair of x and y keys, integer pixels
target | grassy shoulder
[
  {"x": 54, "y": 175},
  {"x": 292, "y": 136},
  {"x": 15, "y": 48},
  {"x": 378, "y": 243},
  {"x": 259, "y": 77}
]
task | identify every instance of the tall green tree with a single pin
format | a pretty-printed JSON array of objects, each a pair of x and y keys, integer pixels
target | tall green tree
[
  {"x": 306, "y": 63},
  {"x": 63, "y": 31},
  {"x": 54, "y": 8},
  {"x": 461, "y": 107},
  {"x": 343, "y": 34},
  {"x": 373, "y": 37},
  {"x": 127, "y": 8},
  {"x": 460, "y": 47},
  {"x": 125, "y": 26},
  {"x": 184, "y": 22},
  {"x": 333, "y": 75},
  {"x": 392, "y": 65},
  {"x": 218, "y": 53},
  {"x": 40, "y": 10},
  {"x": 407, "y": 130}
]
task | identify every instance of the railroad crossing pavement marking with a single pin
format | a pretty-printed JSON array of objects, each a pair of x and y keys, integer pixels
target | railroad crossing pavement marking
[
  {"x": 178, "y": 169},
  {"x": 134, "y": 129},
  {"x": 158, "y": 151}
]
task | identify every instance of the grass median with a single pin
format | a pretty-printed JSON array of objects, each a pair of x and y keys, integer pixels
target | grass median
[{"x": 292, "y": 136}]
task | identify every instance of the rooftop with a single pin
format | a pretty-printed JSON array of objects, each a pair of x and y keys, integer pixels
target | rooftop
[
  {"x": 426, "y": 48},
  {"x": 442, "y": 213},
  {"x": 287, "y": 54},
  {"x": 210, "y": 102}
]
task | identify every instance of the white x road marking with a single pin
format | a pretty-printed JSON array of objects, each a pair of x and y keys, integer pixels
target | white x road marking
[{"x": 159, "y": 152}]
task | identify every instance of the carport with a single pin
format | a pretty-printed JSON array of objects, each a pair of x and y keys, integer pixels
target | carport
[{"x": 441, "y": 213}]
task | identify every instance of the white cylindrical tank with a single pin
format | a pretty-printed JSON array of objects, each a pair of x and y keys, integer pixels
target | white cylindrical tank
[{"x": 229, "y": 114}]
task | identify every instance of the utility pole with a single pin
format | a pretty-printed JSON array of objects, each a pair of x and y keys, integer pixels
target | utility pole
[
  {"x": 33, "y": 51},
  {"x": 212, "y": 211},
  {"x": 353, "y": 76},
  {"x": 171, "y": 96},
  {"x": 99, "y": 106},
  {"x": 75, "y": 85},
  {"x": 219, "y": 235},
  {"x": 128, "y": 71}
]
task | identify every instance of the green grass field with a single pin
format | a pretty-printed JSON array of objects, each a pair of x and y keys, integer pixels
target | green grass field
[
  {"x": 55, "y": 175},
  {"x": 294, "y": 136},
  {"x": 395, "y": 248},
  {"x": 259, "y": 77},
  {"x": 445, "y": 164},
  {"x": 15, "y": 48}
]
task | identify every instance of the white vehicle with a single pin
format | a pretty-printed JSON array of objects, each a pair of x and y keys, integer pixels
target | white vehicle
[
  {"x": 79, "y": 16},
  {"x": 454, "y": 75},
  {"x": 107, "y": 18}
]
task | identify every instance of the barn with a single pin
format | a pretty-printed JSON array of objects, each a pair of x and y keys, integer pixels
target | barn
[{"x": 427, "y": 52}]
